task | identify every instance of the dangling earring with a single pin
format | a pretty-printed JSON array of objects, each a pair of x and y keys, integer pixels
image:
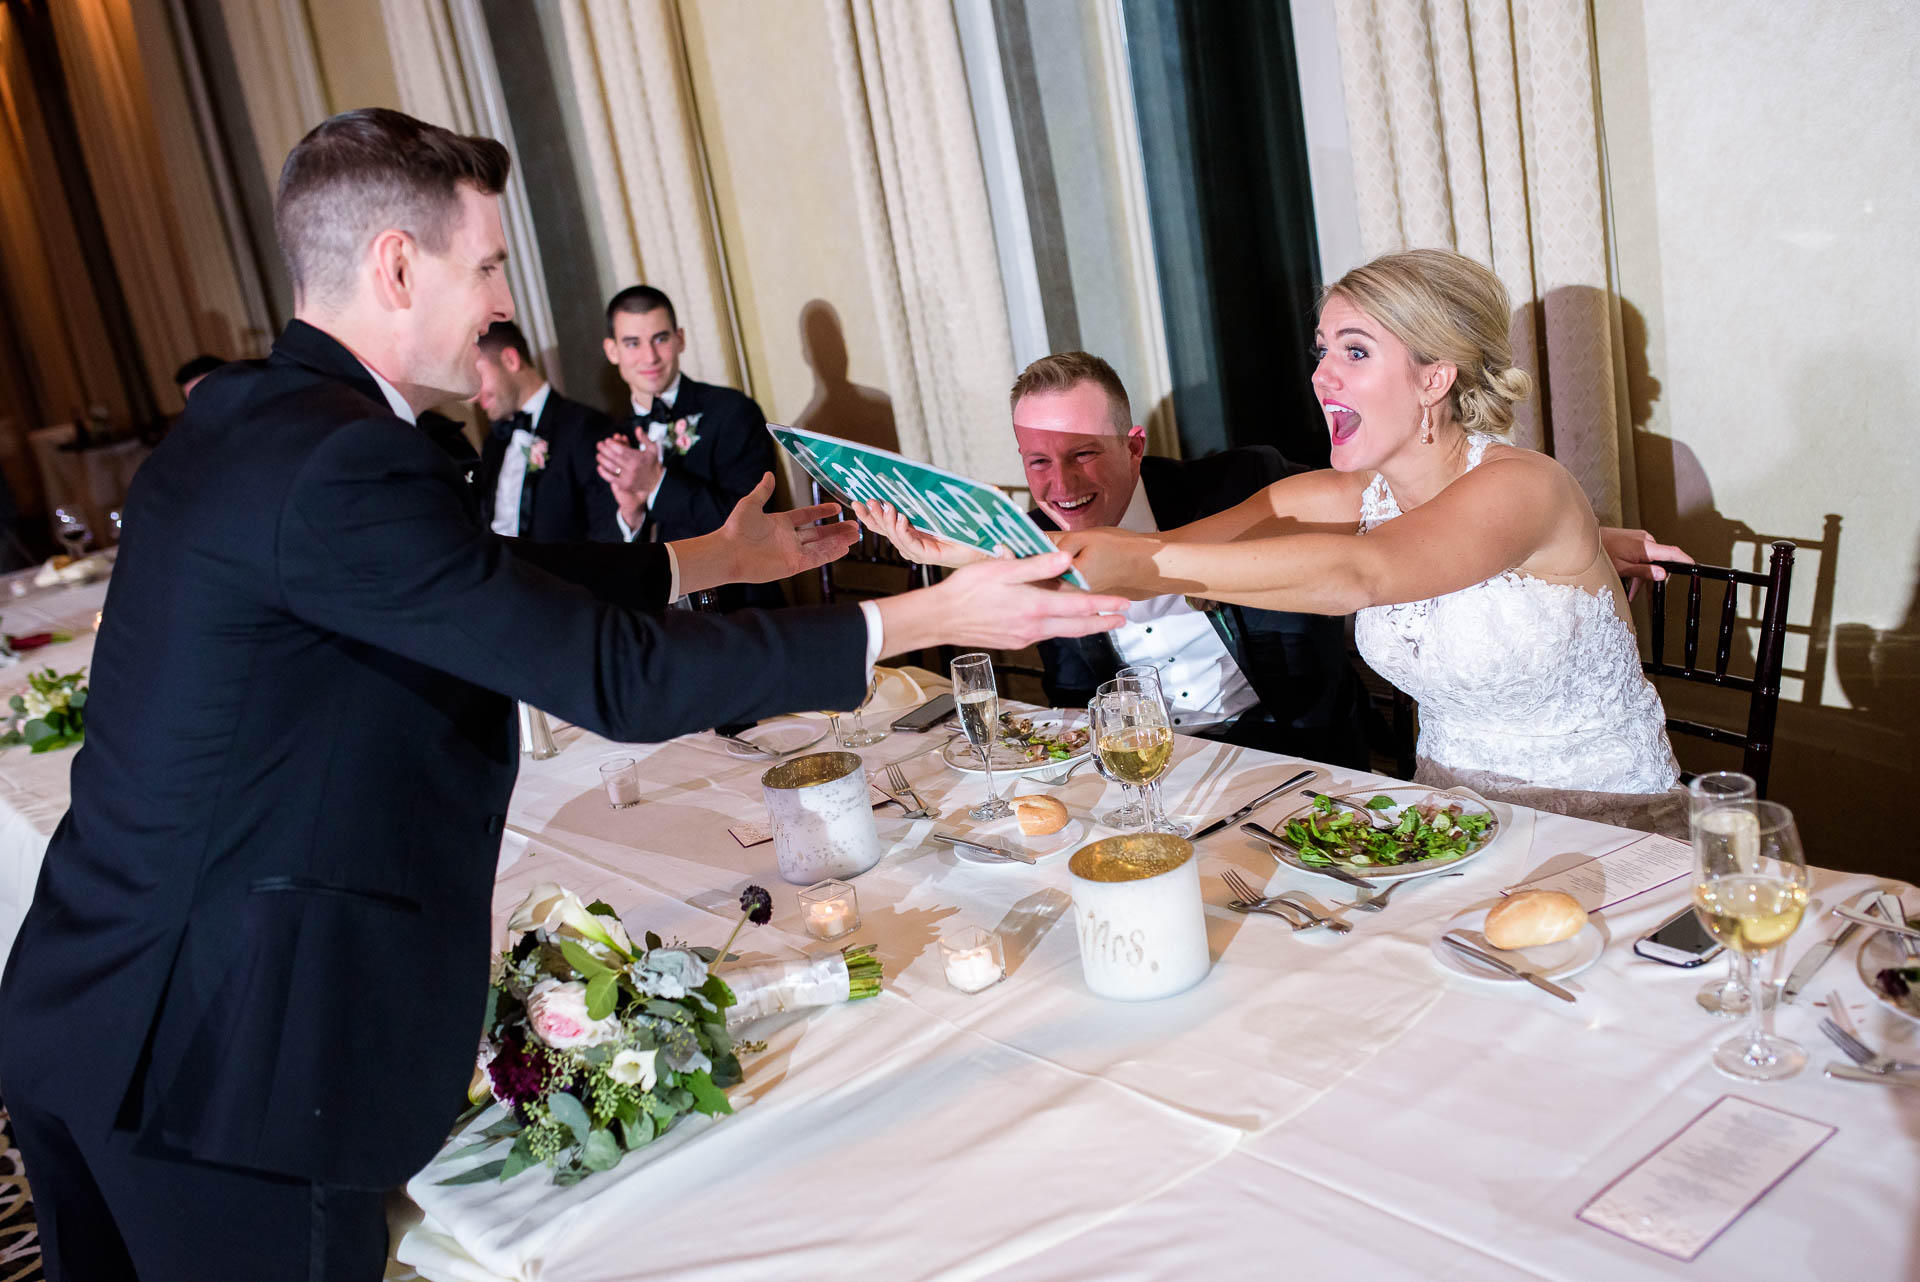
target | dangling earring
[{"x": 1426, "y": 426}]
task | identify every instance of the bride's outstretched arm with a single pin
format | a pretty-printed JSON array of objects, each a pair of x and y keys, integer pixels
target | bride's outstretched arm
[
  {"x": 1497, "y": 517},
  {"x": 1322, "y": 500}
]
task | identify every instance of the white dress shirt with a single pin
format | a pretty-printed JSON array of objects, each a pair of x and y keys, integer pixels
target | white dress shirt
[
  {"x": 513, "y": 466},
  {"x": 1202, "y": 684},
  {"x": 657, "y": 433}
]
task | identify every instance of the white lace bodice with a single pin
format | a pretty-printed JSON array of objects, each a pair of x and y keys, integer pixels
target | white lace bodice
[{"x": 1528, "y": 690}]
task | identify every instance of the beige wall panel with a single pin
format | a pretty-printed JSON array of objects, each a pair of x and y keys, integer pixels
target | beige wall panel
[
  {"x": 762, "y": 82},
  {"x": 350, "y": 39},
  {"x": 1764, "y": 165}
]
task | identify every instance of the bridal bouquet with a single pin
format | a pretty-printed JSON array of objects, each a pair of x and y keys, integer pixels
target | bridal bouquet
[{"x": 595, "y": 1046}]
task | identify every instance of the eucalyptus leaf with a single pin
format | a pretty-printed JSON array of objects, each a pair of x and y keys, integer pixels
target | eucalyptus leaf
[
  {"x": 518, "y": 1159},
  {"x": 508, "y": 1125},
  {"x": 478, "y": 1175},
  {"x": 637, "y": 1131},
  {"x": 601, "y": 1152},
  {"x": 570, "y": 1113}
]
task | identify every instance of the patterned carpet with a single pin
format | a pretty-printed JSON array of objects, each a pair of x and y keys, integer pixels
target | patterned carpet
[{"x": 19, "y": 1241}]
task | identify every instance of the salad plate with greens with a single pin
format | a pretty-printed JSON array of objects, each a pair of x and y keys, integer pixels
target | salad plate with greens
[
  {"x": 1890, "y": 974},
  {"x": 1037, "y": 740},
  {"x": 1407, "y": 831}
]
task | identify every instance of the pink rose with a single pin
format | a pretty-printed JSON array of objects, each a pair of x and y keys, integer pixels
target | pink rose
[
  {"x": 557, "y": 1013},
  {"x": 682, "y": 438},
  {"x": 537, "y": 454}
]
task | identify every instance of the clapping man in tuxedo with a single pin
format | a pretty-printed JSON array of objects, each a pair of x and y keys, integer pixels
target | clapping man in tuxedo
[
  {"x": 538, "y": 472},
  {"x": 689, "y": 449},
  {"x": 244, "y": 1000}
]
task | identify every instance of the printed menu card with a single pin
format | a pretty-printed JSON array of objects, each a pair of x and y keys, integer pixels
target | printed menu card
[{"x": 1685, "y": 1193}]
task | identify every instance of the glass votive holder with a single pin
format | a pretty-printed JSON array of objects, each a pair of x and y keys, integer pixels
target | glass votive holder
[
  {"x": 973, "y": 959},
  {"x": 830, "y": 909},
  {"x": 621, "y": 778}
]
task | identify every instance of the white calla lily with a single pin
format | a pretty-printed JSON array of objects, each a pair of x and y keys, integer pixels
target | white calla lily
[{"x": 556, "y": 910}]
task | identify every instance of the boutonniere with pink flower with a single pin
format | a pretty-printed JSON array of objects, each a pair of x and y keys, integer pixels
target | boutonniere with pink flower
[
  {"x": 683, "y": 437},
  {"x": 537, "y": 454}
]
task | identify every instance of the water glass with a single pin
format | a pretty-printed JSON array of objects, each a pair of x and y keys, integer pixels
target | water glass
[{"x": 860, "y": 736}]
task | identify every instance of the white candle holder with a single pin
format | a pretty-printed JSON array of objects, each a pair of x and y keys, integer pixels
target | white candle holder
[
  {"x": 830, "y": 909},
  {"x": 821, "y": 816},
  {"x": 621, "y": 776},
  {"x": 973, "y": 959},
  {"x": 1142, "y": 925}
]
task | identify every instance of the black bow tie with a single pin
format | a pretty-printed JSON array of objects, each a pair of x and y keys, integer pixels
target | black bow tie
[
  {"x": 658, "y": 412},
  {"x": 504, "y": 428}
]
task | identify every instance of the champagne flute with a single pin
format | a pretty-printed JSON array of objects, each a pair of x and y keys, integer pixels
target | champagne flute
[
  {"x": 1750, "y": 890},
  {"x": 860, "y": 736},
  {"x": 978, "y": 700},
  {"x": 1135, "y": 743},
  {"x": 1728, "y": 997}
]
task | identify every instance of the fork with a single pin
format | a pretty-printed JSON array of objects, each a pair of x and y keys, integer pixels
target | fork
[
  {"x": 1380, "y": 899},
  {"x": 898, "y": 779},
  {"x": 1251, "y": 900},
  {"x": 1838, "y": 1026}
]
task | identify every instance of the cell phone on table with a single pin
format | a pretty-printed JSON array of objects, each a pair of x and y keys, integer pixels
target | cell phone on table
[
  {"x": 927, "y": 715},
  {"x": 1680, "y": 941}
]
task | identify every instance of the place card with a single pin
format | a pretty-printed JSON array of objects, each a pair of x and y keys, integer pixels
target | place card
[
  {"x": 1686, "y": 1193},
  {"x": 1633, "y": 869},
  {"x": 755, "y": 834}
]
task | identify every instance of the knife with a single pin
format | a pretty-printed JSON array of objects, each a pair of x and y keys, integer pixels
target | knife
[
  {"x": 1816, "y": 957},
  {"x": 1540, "y": 982},
  {"x": 1854, "y": 1073},
  {"x": 1890, "y": 909},
  {"x": 1877, "y": 923},
  {"x": 1334, "y": 871},
  {"x": 738, "y": 742},
  {"x": 952, "y": 839},
  {"x": 1252, "y": 806}
]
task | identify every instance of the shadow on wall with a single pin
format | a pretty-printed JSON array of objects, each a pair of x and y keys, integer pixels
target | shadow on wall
[
  {"x": 840, "y": 407},
  {"x": 1834, "y": 766}
]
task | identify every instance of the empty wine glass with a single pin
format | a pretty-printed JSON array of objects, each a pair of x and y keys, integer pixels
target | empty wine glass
[
  {"x": 1750, "y": 890},
  {"x": 1726, "y": 997},
  {"x": 978, "y": 700},
  {"x": 860, "y": 736},
  {"x": 71, "y": 528}
]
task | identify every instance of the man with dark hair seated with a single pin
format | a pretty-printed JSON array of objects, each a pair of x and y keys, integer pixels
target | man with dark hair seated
[
  {"x": 193, "y": 371},
  {"x": 537, "y": 472},
  {"x": 690, "y": 449}
]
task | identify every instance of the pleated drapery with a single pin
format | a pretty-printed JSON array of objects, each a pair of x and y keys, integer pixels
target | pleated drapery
[
  {"x": 924, "y": 216},
  {"x": 1473, "y": 127}
]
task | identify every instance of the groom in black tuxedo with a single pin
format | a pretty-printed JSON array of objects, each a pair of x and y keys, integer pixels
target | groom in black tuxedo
[
  {"x": 537, "y": 477},
  {"x": 245, "y": 1000},
  {"x": 689, "y": 449}
]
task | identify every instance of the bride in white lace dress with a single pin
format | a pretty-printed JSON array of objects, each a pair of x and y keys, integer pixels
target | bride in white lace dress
[{"x": 1476, "y": 570}]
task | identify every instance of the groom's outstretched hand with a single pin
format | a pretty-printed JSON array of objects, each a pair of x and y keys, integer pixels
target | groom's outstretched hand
[
  {"x": 758, "y": 546},
  {"x": 997, "y": 605}
]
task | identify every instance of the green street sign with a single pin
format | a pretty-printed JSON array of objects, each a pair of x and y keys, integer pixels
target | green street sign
[{"x": 933, "y": 498}]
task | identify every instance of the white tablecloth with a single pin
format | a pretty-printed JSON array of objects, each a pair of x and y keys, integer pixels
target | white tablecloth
[{"x": 1336, "y": 1105}]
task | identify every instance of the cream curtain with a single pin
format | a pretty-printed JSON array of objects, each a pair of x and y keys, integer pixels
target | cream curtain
[
  {"x": 1474, "y": 128},
  {"x": 923, "y": 213},
  {"x": 647, "y": 171},
  {"x": 447, "y": 76},
  {"x": 175, "y": 263}
]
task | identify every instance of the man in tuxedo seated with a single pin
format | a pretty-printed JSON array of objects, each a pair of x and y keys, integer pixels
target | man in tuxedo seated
[
  {"x": 537, "y": 474},
  {"x": 689, "y": 449},
  {"x": 243, "y": 1003}
]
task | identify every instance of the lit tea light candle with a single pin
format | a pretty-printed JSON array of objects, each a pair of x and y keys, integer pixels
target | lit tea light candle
[
  {"x": 973, "y": 960},
  {"x": 830, "y": 909}
]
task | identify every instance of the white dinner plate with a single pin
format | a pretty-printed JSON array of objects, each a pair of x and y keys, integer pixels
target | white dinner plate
[
  {"x": 1549, "y": 961},
  {"x": 781, "y": 735},
  {"x": 1403, "y": 795},
  {"x": 1881, "y": 951},
  {"x": 1006, "y": 832},
  {"x": 959, "y": 754}
]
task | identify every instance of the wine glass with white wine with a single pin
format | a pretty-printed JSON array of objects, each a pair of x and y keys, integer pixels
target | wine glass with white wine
[
  {"x": 1135, "y": 742},
  {"x": 978, "y": 700},
  {"x": 1750, "y": 890},
  {"x": 1131, "y": 812}
]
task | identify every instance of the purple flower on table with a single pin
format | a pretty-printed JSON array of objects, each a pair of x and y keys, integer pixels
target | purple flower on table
[
  {"x": 757, "y": 904},
  {"x": 518, "y": 1075}
]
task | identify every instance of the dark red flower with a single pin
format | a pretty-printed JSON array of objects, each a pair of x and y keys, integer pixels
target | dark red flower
[{"x": 519, "y": 1076}]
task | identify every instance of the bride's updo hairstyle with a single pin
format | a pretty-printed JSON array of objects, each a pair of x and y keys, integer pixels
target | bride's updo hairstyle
[{"x": 1445, "y": 307}]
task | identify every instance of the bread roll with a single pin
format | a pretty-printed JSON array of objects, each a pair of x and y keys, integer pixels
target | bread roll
[
  {"x": 1534, "y": 917},
  {"x": 1040, "y": 815}
]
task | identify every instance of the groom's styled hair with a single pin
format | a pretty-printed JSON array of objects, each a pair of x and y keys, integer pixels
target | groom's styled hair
[
  {"x": 363, "y": 172},
  {"x": 1064, "y": 371}
]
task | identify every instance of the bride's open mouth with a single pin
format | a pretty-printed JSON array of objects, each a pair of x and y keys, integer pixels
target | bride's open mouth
[{"x": 1342, "y": 422}]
